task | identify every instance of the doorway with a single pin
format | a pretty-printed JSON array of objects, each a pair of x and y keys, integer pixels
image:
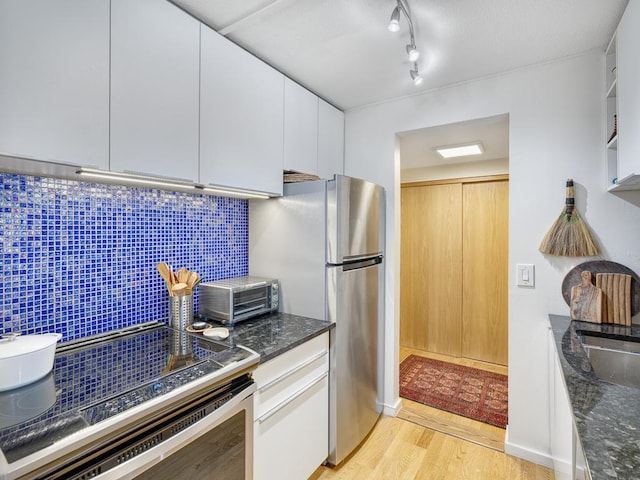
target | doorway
[
  {"x": 453, "y": 281},
  {"x": 454, "y": 260}
]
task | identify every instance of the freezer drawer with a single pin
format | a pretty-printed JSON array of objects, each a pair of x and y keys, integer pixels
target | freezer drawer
[{"x": 354, "y": 406}]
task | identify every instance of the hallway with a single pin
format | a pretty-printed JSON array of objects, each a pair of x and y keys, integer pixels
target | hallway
[{"x": 399, "y": 448}]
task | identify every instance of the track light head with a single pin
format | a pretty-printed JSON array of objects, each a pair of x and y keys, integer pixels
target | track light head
[
  {"x": 394, "y": 22},
  {"x": 413, "y": 53},
  {"x": 415, "y": 76}
]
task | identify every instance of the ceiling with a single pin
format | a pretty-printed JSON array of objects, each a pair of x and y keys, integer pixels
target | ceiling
[
  {"x": 417, "y": 146},
  {"x": 342, "y": 51}
]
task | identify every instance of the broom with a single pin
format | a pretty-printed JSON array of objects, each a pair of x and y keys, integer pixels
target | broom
[{"x": 569, "y": 235}]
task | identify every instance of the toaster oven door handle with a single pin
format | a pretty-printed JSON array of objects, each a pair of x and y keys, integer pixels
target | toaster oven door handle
[
  {"x": 247, "y": 310},
  {"x": 257, "y": 284}
]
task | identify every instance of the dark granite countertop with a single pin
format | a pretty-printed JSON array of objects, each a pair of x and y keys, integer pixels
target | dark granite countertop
[
  {"x": 274, "y": 334},
  {"x": 607, "y": 416}
]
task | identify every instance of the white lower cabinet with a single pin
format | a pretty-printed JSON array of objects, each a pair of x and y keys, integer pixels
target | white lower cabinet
[
  {"x": 566, "y": 452},
  {"x": 291, "y": 411}
]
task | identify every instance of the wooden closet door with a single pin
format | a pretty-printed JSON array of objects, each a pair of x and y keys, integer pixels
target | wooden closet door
[
  {"x": 484, "y": 271},
  {"x": 431, "y": 268}
]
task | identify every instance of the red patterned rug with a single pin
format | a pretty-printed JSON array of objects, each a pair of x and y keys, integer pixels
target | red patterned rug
[{"x": 465, "y": 391}]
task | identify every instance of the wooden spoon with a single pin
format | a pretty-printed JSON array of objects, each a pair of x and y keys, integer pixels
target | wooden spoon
[
  {"x": 179, "y": 289},
  {"x": 183, "y": 275},
  {"x": 193, "y": 279},
  {"x": 165, "y": 273}
]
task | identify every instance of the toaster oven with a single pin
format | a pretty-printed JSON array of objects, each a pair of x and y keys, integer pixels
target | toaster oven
[{"x": 236, "y": 299}]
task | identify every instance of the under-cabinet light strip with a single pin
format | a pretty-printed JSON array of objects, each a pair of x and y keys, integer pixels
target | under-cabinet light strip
[
  {"x": 236, "y": 192},
  {"x": 134, "y": 179},
  {"x": 159, "y": 182}
]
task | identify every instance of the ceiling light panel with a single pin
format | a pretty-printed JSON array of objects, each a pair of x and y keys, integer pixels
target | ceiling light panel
[{"x": 462, "y": 150}]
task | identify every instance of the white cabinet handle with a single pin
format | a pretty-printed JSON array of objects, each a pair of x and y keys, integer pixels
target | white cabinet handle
[
  {"x": 288, "y": 373},
  {"x": 287, "y": 401}
]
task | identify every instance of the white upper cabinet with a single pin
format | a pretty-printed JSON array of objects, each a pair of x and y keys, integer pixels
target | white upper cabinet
[
  {"x": 300, "y": 129},
  {"x": 155, "y": 63},
  {"x": 241, "y": 118},
  {"x": 330, "y": 140},
  {"x": 628, "y": 94},
  {"x": 54, "y": 80}
]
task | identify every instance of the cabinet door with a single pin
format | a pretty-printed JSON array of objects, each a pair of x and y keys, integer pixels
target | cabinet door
[
  {"x": 155, "y": 65},
  {"x": 291, "y": 409},
  {"x": 54, "y": 85},
  {"x": 628, "y": 81},
  {"x": 330, "y": 140},
  {"x": 560, "y": 419},
  {"x": 292, "y": 443},
  {"x": 300, "y": 129},
  {"x": 241, "y": 129}
]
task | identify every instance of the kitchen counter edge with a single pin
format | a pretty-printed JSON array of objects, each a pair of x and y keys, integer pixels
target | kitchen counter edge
[
  {"x": 274, "y": 334},
  {"x": 606, "y": 416}
]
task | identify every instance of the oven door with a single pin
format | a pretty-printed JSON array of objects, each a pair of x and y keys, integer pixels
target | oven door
[
  {"x": 211, "y": 438},
  {"x": 211, "y": 448}
]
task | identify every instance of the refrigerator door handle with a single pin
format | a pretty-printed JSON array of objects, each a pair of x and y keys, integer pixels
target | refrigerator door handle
[{"x": 346, "y": 266}]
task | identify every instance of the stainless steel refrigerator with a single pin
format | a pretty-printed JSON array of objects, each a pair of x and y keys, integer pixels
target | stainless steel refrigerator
[{"x": 323, "y": 240}]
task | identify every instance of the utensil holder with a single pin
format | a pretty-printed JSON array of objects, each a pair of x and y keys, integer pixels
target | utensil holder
[
  {"x": 180, "y": 344},
  {"x": 180, "y": 311}
]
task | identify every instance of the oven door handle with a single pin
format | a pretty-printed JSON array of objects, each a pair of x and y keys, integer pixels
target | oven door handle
[{"x": 287, "y": 401}]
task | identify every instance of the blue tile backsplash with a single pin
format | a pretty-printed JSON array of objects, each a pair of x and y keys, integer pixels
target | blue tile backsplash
[{"x": 80, "y": 258}]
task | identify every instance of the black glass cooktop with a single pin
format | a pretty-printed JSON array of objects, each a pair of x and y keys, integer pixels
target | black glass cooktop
[{"x": 92, "y": 382}]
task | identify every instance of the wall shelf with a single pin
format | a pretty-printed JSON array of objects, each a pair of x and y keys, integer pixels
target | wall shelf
[
  {"x": 611, "y": 102},
  {"x": 630, "y": 182}
]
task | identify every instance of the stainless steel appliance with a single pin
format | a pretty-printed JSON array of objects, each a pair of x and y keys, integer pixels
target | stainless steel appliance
[
  {"x": 323, "y": 240},
  {"x": 144, "y": 402},
  {"x": 235, "y": 299}
]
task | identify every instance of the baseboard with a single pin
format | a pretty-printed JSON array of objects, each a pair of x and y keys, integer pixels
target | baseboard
[
  {"x": 392, "y": 410},
  {"x": 526, "y": 453}
]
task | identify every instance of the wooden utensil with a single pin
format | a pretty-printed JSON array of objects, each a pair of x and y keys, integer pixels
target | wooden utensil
[
  {"x": 179, "y": 289},
  {"x": 183, "y": 275},
  {"x": 165, "y": 273},
  {"x": 617, "y": 297}
]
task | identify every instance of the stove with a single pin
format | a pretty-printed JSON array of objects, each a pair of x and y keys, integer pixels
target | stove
[{"x": 106, "y": 384}]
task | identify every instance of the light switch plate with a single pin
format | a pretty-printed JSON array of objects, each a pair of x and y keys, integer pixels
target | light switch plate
[{"x": 525, "y": 275}]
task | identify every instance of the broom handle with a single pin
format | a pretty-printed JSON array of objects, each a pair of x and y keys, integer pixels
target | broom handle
[{"x": 569, "y": 201}]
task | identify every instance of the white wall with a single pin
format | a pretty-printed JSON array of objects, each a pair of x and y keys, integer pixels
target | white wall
[
  {"x": 556, "y": 132},
  {"x": 455, "y": 170}
]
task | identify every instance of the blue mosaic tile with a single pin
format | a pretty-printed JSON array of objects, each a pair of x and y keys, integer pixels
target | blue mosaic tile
[{"x": 80, "y": 258}]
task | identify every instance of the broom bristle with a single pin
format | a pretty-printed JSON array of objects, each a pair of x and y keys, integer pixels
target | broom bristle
[{"x": 569, "y": 237}]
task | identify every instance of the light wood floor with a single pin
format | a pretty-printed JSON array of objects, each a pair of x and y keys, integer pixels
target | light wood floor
[{"x": 401, "y": 449}]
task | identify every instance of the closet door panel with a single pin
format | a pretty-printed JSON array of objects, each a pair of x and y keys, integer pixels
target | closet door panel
[
  {"x": 431, "y": 268},
  {"x": 484, "y": 271}
]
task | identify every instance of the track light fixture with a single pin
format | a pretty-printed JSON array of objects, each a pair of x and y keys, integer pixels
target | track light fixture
[
  {"x": 412, "y": 52},
  {"x": 415, "y": 76},
  {"x": 394, "y": 22}
]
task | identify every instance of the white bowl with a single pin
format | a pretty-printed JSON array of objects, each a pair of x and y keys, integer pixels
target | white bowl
[
  {"x": 218, "y": 333},
  {"x": 26, "y": 359}
]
